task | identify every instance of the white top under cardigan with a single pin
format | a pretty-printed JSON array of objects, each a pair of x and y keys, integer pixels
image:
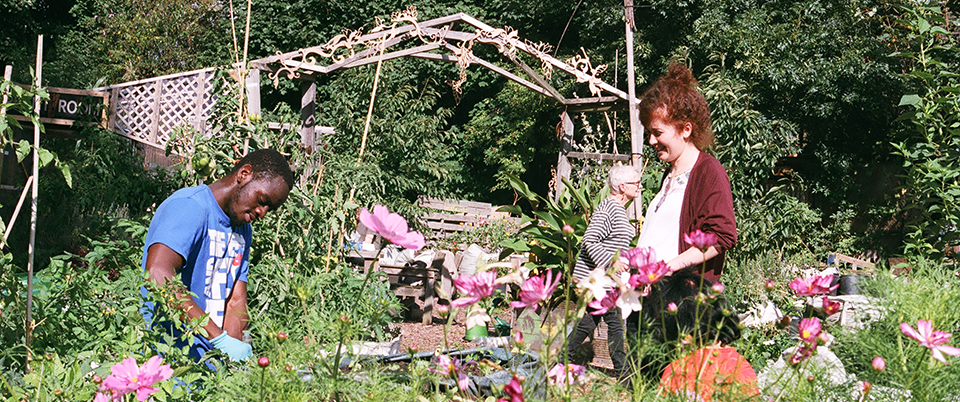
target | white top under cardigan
[{"x": 661, "y": 224}]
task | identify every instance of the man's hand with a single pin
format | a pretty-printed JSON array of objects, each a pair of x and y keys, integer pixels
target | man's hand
[{"x": 233, "y": 347}]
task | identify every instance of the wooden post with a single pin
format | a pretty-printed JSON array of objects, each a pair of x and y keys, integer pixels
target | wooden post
[
  {"x": 563, "y": 163},
  {"x": 33, "y": 205},
  {"x": 154, "y": 136},
  {"x": 636, "y": 130},
  {"x": 308, "y": 109},
  {"x": 308, "y": 123},
  {"x": 198, "y": 122},
  {"x": 253, "y": 91}
]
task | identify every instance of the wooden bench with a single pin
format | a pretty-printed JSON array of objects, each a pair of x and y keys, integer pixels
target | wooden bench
[{"x": 447, "y": 217}]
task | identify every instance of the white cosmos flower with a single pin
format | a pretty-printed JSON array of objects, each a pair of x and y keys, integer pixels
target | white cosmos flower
[{"x": 597, "y": 282}]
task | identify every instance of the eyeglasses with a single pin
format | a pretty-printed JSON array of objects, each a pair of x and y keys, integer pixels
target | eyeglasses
[{"x": 635, "y": 183}]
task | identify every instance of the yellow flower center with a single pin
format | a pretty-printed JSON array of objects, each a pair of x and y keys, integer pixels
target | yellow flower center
[{"x": 806, "y": 334}]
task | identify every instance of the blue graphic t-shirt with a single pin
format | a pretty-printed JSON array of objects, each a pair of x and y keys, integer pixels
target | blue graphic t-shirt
[{"x": 191, "y": 223}]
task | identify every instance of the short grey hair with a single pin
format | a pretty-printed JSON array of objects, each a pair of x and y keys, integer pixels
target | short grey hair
[{"x": 619, "y": 175}]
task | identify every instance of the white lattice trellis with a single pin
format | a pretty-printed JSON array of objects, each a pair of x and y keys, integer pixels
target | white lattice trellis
[{"x": 150, "y": 111}]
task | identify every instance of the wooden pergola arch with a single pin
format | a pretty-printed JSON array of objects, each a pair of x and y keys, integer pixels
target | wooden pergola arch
[{"x": 444, "y": 39}]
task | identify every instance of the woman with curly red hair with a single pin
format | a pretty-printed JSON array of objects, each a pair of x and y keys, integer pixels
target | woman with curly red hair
[
  {"x": 694, "y": 195},
  {"x": 695, "y": 192}
]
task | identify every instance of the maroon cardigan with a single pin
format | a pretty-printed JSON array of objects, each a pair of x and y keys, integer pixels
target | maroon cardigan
[{"x": 708, "y": 206}]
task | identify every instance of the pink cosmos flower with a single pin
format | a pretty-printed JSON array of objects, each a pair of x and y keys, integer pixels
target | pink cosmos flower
[
  {"x": 603, "y": 305},
  {"x": 638, "y": 256},
  {"x": 565, "y": 374},
  {"x": 930, "y": 339},
  {"x": 700, "y": 239},
  {"x": 474, "y": 288},
  {"x": 535, "y": 290},
  {"x": 813, "y": 286},
  {"x": 810, "y": 330},
  {"x": 649, "y": 274},
  {"x": 513, "y": 390},
  {"x": 451, "y": 366},
  {"x": 127, "y": 377},
  {"x": 392, "y": 227},
  {"x": 717, "y": 288},
  {"x": 878, "y": 363},
  {"x": 830, "y": 307},
  {"x": 803, "y": 353}
]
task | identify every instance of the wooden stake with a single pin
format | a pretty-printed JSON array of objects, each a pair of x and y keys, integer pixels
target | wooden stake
[
  {"x": 636, "y": 130},
  {"x": 33, "y": 206}
]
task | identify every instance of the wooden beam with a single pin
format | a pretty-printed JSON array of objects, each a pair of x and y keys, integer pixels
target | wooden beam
[
  {"x": 505, "y": 73},
  {"x": 597, "y": 155},
  {"x": 376, "y": 35},
  {"x": 601, "y": 104},
  {"x": 536, "y": 77},
  {"x": 148, "y": 80},
  {"x": 547, "y": 58},
  {"x": 451, "y": 58},
  {"x": 394, "y": 55}
]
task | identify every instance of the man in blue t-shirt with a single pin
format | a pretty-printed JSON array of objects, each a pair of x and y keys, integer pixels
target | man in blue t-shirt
[{"x": 201, "y": 236}]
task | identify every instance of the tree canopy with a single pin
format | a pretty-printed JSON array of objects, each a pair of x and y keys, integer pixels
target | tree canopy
[{"x": 805, "y": 94}]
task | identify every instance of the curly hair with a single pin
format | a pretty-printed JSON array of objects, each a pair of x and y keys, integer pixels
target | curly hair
[
  {"x": 674, "y": 98},
  {"x": 267, "y": 164}
]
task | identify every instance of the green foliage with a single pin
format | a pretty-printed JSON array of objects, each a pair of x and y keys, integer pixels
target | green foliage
[
  {"x": 929, "y": 293},
  {"x": 406, "y": 142},
  {"x": 505, "y": 133},
  {"x": 543, "y": 223},
  {"x": 486, "y": 234},
  {"x": 126, "y": 40},
  {"x": 111, "y": 181},
  {"x": 930, "y": 146}
]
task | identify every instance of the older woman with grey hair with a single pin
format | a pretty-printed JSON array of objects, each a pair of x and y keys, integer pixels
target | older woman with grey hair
[{"x": 609, "y": 231}]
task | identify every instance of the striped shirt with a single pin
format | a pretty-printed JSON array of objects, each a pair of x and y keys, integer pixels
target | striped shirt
[{"x": 609, "y": 231}]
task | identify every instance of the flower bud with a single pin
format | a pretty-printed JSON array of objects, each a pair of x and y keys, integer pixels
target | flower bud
[
  {"x": 344, "y": 318},
  {"x": 282, "y": 337},
  {"x": 672, "y": 308},
  {"x": 879, "y": 364},
  {"x": 263, "y": 361},
  {"x": 717, "y": 288},
  {"x": 97, "y": 379},
  {"x": 770, "y": 285},
  {"x": 518, "y": 338},
  {"x": 811, "y": 378},
  {"x": 567, "y": 230}
]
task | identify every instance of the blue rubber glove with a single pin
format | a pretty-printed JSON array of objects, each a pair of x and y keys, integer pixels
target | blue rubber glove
[{"x": 233, "y": 347}]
